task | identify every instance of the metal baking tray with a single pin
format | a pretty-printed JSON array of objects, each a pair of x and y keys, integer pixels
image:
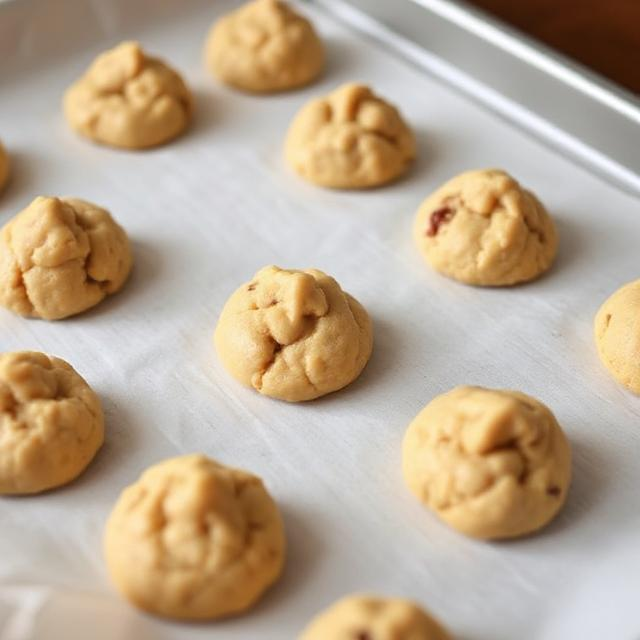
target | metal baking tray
[
  {"x": 576, "y": 111},
  {"x": 207, "y": 211}
]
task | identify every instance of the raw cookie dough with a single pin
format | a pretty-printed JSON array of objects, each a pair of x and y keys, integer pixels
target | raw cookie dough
[
  {"x": 128, "y": 99},
  {"x": 492, "y": 464},
  {"x": 351, "y": 139},
  {"x": 193, "y": 539},
  {"x": 4, "y": 167},
  {"x": 51, "y": 423},
  {"x": 61, "y": 256},
  {"x": 617, "y": 334},
  {"x": 293, "y": 335},
  {"x": 483, "y": 228},
  {"x": 264, "y": 46},
  {"x": 374, "y": 618}
]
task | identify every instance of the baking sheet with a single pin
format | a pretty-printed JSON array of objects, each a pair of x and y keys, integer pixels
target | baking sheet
[
  {"x": 575, "y": 111},
  {"x": 205, "y": 213}
]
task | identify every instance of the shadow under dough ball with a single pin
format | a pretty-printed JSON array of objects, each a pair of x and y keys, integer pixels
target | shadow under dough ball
[
  {"x": 264, "y": 47},
  {"x": 617, "y": 335},
  {"x": 350, "y": 139},
  {"x": 129, "y": 99},
  {"x": 491, "y": 464},
  {"x": 51, "y": 423},
  {"x": 364, "y": 617},
  {"x": 483, "y": 228},
  {"x": 61, "y": 256},
  {"x": 293, "y": 335},
  {"x": 193, "y": 539}
]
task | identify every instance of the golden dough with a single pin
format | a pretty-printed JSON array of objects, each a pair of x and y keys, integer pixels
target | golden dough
[
  {"x": 129, "y": 99},
  {"x": 293, "y": 335},
  {"x": 617, "y": 335},
  {"x": 483, "y": 228},
  {"x": 194, "y": 540},
  {"x": 491, "y": 464},
  {"x": 51, "y": 423},
  {"x": 263, "y": 47},
  {"x": 61, "y": 256},
  {"x": 374, "y": 618},
  {"x": 350, "y": 139}
]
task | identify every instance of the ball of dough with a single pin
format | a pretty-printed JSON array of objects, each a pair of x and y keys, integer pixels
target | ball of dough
[
  {"x": 129, "y": 99},
  {"x": 374, "y": 618},
  {"x": 492, "y": 464},
  {"x": 293, "y": 335},
  {"x": 61, "y": 256},
  {"x": 51, "y": 423},
  {"x": 264, "y": 46},
  {"x": 617, "y": 334},
  {"x": 351, "y": 139},
  {"x": 4, "y": 167},
  {"x": 483, "y": 228},
  {"x": 193, "y": 539}
]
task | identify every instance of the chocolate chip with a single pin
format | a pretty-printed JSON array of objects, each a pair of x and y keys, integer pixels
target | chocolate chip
[
  {"x": 251, "y": 287},
  {"x": 439, "y": 217},
  {"x": 362, "y": 635},
  {"x": 554, "y": 491}
]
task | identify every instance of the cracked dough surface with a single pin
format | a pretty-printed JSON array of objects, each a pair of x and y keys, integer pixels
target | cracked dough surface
[
  {"x": 4, "y": 167},
  {"x": 362, "y": 617},
  {"x": 264, "y": 46},
  {"x": 350, "y": 139},
  {"x": 617, "y": 335},
  {"x": 129, "y": 99},
  {"x": 293, "y": 335},
  {"x": 193, "y": 539},
  {"x": 483, "y": 228},
  {"x": 61, "y": 256},
  {"x": 492, "y": 464},
  {"x": 51, "y": 423}
]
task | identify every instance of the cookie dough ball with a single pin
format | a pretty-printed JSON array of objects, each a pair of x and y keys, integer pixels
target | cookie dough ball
[
  {"x": 193, "y": 539},
  {"x": 483, "y": 228},
  {"x": 617, "y": 334},
  {"x": 492, "y": 464},
  {"x": 4, "y": 167},
  {"x": 61, "y": 256},
  {"x": 351, "y": 139},
  {"x": 374, "y": 618},
  {"x": 293, "y": 335},
  {"x": 129, "y": 99},
  {"x": 51, "y": 423},
  {"x": 264, "y": 47}
]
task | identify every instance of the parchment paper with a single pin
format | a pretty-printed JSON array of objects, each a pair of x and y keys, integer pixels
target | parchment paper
[{"x": 204, "y": 214}]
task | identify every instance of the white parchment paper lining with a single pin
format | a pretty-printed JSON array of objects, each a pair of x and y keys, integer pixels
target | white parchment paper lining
[{"x": 204, "y": 214}]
